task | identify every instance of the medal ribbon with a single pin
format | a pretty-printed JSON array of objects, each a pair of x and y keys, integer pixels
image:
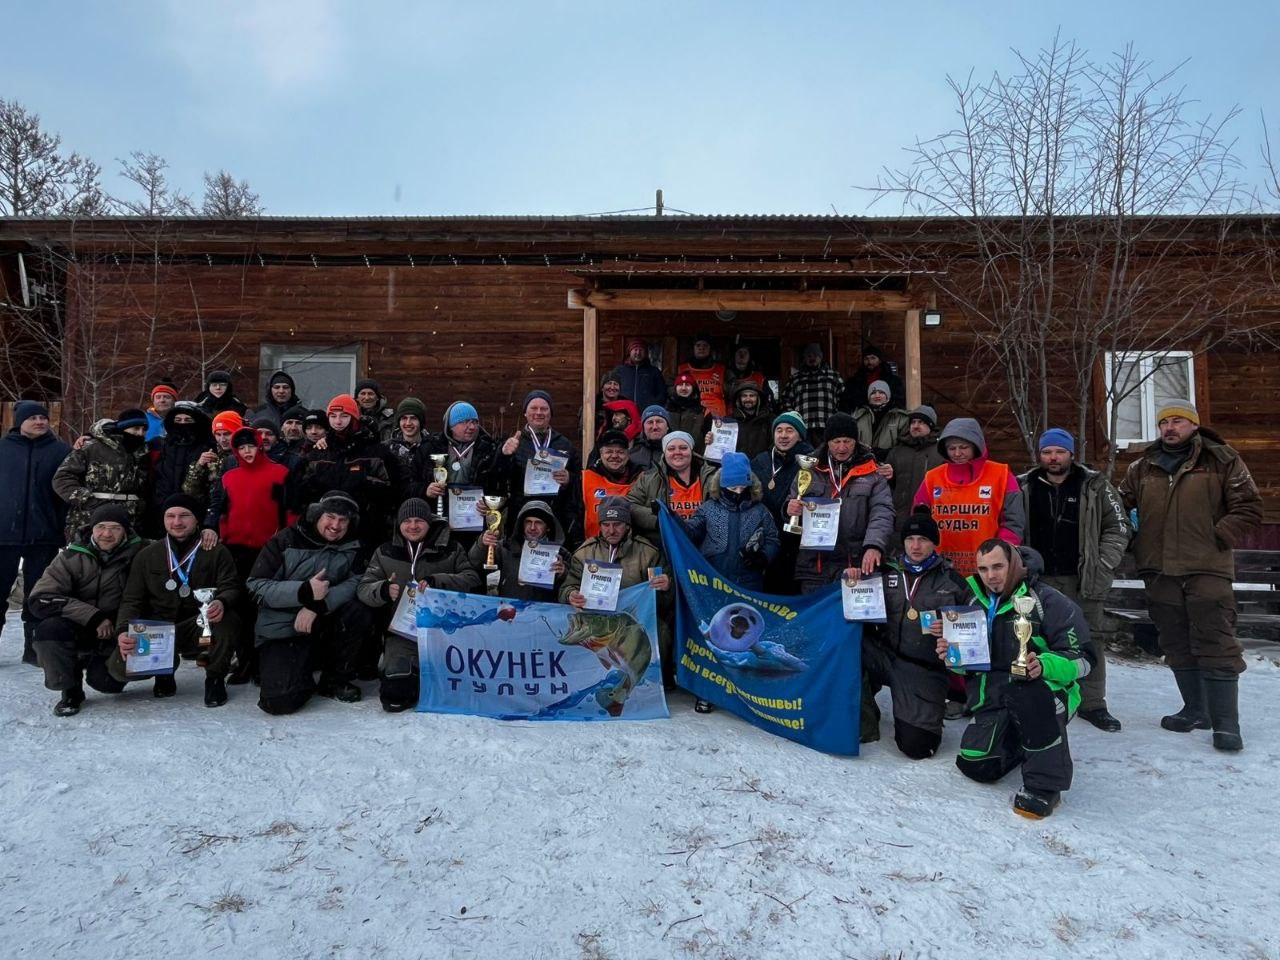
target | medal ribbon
[
  {"x": 180, "y": 570},
  {"x": 911, "y": 594},
  {"x": 540, "y": 447},
  {"x": 459, "y": 454},
  {"x": 414, "y": 550}
]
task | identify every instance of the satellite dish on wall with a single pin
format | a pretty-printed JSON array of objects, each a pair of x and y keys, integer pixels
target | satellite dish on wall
[{"x": 726, "y": 316}]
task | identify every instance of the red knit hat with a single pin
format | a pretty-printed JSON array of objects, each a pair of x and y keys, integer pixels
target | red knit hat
[
  {"x": 344, "y": 403},
  {"x": 227, "y": 420},
  {"x": 685, "y": 378},
  {"x": 168, "y": 388}
]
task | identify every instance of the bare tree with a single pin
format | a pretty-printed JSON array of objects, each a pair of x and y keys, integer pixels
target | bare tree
[
  {"x": 37, "y": 177},
  {"x": 1091, "y": 225},
  {"x": 158, "y": 197},
  {"x": 224, "y": 196}
]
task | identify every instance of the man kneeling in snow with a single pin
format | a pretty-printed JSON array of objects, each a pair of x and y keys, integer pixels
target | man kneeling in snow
[
  {"x": 309, "y": 618},
  {"x": 1023, "y": 720}
]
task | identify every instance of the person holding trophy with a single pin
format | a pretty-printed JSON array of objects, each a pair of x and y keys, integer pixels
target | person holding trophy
[
  {"x": 538, "y": 463},
  {"x": 1023, "y": 649}
]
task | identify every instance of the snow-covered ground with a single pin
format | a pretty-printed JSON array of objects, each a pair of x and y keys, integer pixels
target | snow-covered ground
[{"x": 147, "y": 828}]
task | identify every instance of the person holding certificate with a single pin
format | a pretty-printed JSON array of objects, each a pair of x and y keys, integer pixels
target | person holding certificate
[
  {"x": 162, "y": 586},
  {"x": 900, "y": 653},
  {"x": 538, "y": 463},
  {"x": 845, "y": 483},
  {"x": 607, "y": 564},
  {"x": 470, "y": 456},
  {"x": 1020, "y": 718},
  {"x": 675, "y": 480},
  {"x": 532, "y": 562},
  {"x": 609, "y": 474},
  {"x": 421, "y": 553}
]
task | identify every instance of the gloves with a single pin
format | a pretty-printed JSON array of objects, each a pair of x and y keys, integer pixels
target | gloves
[{"x": 753, "y": 558}]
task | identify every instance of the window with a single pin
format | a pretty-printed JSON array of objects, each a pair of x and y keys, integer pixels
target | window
[
  {"x": 320, "y": 372},
  {"x": 1140, "y": 383}
]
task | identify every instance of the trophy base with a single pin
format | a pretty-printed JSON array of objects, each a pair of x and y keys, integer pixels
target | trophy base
[
  {"x": 206, "y": 640},
  {"x": 791, "y": 526},
  {"x": 1018, "y": 671},
  {"x": 491, "y": 567}
]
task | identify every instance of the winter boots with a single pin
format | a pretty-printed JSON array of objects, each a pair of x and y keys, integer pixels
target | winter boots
[
  {"x": 215, "y": 691},
  {"x": 344, "y": 691},
  {"x": 69, "y": 705},
  {"x": 1035, "y": 804},
  {"x": 1222, "y": 689},
  {"x": 28, "y": 651},
  {"x": 166, "y": 686},
  {"x": 1193, "y": 715}
]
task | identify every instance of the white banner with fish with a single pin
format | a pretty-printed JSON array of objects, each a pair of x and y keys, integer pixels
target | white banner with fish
[{"x": 525, "y": 660}]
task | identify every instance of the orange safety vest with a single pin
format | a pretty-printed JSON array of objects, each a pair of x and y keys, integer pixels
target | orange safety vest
[
  {"x": 711, "y": 382},
  {"x": 685, "y": 500},
  {"x": 595, "y": 487},
  {"x": 967, "y": 513}
]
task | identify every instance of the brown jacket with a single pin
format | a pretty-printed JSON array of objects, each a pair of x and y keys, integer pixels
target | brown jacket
[{"x": 1188, "y": 522}]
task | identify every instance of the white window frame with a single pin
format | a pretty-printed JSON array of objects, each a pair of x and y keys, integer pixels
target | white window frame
[
  {"x": 1147, "y": 361},
  {"x": 274, "y": 356}
]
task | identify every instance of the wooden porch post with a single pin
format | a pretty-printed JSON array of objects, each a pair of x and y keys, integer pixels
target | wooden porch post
[
  {"x": 911, "y": 360},
  {"x": 590, "y": 377}
]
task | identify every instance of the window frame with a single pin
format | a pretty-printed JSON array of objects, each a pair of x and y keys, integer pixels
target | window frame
[
  {"x": 1147, "y": 365},
  {"x": 273, "y": 357}
]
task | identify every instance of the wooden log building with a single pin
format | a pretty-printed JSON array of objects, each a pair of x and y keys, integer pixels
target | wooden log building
[{"x": 487, "y": 308}]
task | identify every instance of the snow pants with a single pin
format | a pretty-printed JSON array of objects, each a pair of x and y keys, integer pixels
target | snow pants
[
  {"x": 71, "y": 654},
  {"x": 1022, "y": 722},
  {"x": 1195, "y": 618},
  {"x": 287, "y": 665},
  {"x": 919, "y": 698},
  {"x": 399, "y": 683},
  {"x": 1093, "y": 688}
]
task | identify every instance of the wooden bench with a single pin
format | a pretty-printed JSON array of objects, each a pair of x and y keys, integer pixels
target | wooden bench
[{"x": 1256, "y": 587}]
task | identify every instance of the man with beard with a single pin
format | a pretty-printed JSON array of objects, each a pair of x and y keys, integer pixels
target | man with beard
[
  {"x": 755, "y": 425},
  {"x": 880, "y": 425},
  {"x": 813, "y": 391},
  {"x": 911, "y": 458},
  {"x": 162, "y": 585},
  {"x": 708, "y": 374},
  {"x": 610, "y": 474},
  {"x": 535, "y": 442},
  {"x": 309, "y": 617},
  {"x": 1076, "y": 521},
  {"x": 111, "y": 466},
  {"x": 646, "y": 449},
  {"x": 743, "y": 368},
  {"x": 282, "y": 396},
  {"x": 845, "y": 472},
  {"x": 275, "y": 448},
  {"x": 219, "y": 395},
  {"x": 776, "y": 469},
  {"x": 534, "y": 524},
  {"x": 291, "y": 428},
  {"x": 1023, "y": 720},
  {"x": 352, "y": 461},
  {"x": 75, "y": 604},
  {"x": 374, "y": 409},
  {"x": 471, "y": 460},
  {"x": 639, "y": 380},
  {"x": 1195, "y": 501}
]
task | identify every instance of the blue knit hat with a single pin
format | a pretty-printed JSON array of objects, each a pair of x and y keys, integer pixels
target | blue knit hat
[
  {"x": 793, "y": 419},
  {"x": 1057, "y": 437},
  {"x": 735, "y": 470},
  {"x": 460, "y": 412},
  {"x": 656, "y": 410}
]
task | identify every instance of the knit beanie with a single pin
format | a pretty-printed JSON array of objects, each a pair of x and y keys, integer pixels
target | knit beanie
[
  {"x": 266, "y": 423},
  {"x": 685, "y": 378},
  {"x": 244, "y": 437},
  {"x": 165, "y": 386},
  {"x": 878, "y": 385},
  {"x": 537, "y": 395},
  {"x": 339, "y": 504},
  {"x": 735, "y": 470},
  {"x": 841, "y": 426},
  {"x": 656, "y": 410},
  {"x": 296, "y": 412},
  {"x": 793, "y": 419},
  {"x": 921, "y": 524},
  {"x": 614, "y": 508},
  {"x": 637, "y": 342},
  {"x": 344, "y": 403},
  {"x": 610, "y": 377},
  {"x": 926, "y": 413},
  {"x": 813, "y": 350},
  {"x": 111, "y": 513},
  {"x": 1187, "y": 410},
  {"x": 413, "y": 508},
  {"x": 227, "y": 420},
  {"x": 461, "y": 412},
  {"x": 315, "y": 418},
  {"x": 676, "y": 435},
  {"x": 1057, "y": 437},
  {"x": 368, "y": 384},
  {"x": 281, "y": 377},
  {"x": 186, "y": 502},
  {"x": 24, "y": 410},
  {"x": 411, "y": 407},
  {"x": 613, "y": 438},
  {"x": 132, "y": 417}
]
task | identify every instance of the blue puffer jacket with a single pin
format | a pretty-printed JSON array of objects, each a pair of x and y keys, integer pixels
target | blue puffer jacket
[
  {"x": 30, "y": 512},
  {"x": 725, "y": 524}
]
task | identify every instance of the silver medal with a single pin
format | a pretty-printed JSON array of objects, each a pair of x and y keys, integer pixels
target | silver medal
[
  {"x": 171, "y": 584},
  {"x": 456, "y": 466},
  {"x": 184, "y": 591}
]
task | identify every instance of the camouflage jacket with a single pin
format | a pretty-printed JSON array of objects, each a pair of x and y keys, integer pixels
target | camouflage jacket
[{"x": 102, "y": 471}]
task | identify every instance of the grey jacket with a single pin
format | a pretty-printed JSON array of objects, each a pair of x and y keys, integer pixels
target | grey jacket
[
  {"x": 280, "y": 575},
  {"x": 1104, "y": 529}
]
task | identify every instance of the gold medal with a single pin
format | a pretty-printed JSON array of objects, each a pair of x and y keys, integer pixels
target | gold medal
[
  {"x": 772, "y": 484},
  {"x": 912, "y": 614}
]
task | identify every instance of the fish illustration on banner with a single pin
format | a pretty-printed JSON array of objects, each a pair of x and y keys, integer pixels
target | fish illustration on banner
[
  {"x": 526, "y": 660},
  {"x": 789, "y": 665}
]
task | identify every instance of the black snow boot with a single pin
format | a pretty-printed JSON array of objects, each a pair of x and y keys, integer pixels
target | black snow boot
[
  {"x": 1222, "y": 691},
  {"x": 215, "y": 691},
  {"x": 1035, "y": 804},
  {"x": 344, "y": 691},
  {"x": 69, "y": 705},
  {"x": 166, "y": 686},
  {"x": 703, "y": 706},
  {"x": 1193, "y": 715},
  {"x": 29, "y": 651}
]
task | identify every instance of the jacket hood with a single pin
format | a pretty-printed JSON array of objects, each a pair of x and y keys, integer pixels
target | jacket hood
[
  {"x": 541, "y": 510},
  {"x": 755, "y": 493},
  {"x": 963, "y": 428},
  {"x": 1033, "y": 562},
  {"x": 202, "y": 423},
  {"x": 307, "y": 527},
  {"x": 632, "y": 429}
]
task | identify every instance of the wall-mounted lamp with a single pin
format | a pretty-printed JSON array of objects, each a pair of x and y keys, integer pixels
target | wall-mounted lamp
[{"x": 932, "y": 318}]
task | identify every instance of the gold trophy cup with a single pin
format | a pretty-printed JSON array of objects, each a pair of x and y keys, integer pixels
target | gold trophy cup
[
  {"x": 493, "y": 521},
  {"x": 804, "y": 480},
  {"x": 1022, "y": 630},
  {"x": 440, "y": 475}
]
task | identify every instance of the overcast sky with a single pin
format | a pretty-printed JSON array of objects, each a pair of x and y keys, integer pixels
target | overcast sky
[{"x": 368, "y": 108}]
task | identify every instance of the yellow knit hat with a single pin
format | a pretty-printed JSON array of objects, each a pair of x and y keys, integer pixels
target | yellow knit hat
[{"x": 1186, "y": 410}]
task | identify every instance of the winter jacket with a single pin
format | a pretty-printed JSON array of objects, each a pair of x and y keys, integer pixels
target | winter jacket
[
  {"x": 1059, "y": 637},
  {"x": 507, "y": 556},
  {"x": 404, "y": 454},
  {"x": 30, "y": 512},
  {"x": 755, "y": 430},
  {"x": 177, "y": 452},
  {"x": 83, "y": 584},
  {"x": 509, "y": 473},
  {"x": 213, "y": 406},
  {"x": 712, "y": 380},
  {"x": 726, "y": 524},
  {"x": 654, "y": 485},
  {"x": 249, "y": 503},
  {"x": 441, "y": 562},
  {"x": 632, "y": 429},
  {"x": 280, "y": 575},
  {"x": 1189, "y": 522},
  {"x": 813, "y": 392},
  {"x": 356, "y": 464},
  {"x": 777, "y": 471},
  {"x": 477, "y": 469},
  {"x": 636, "y": 554},
  {"x": 642, "y": 383},
  {"x": 1103, "y": 528},
  {"x": 854, "y": 394},
  {"x": 145, "y": 596},
  {"x": 937, "y": 587},
  {"x": 381, "y": 421},
  {"x": 892, "y": 429},
  {"x": 687, "y": 414},
  {"x": 272, "y": 410},
  {"x": 202, "y": 478},
  {"x": 103, "y": 470},
  {"x": 752, "y": 374},
  {"x": 645, "y": 453},
  {"x": 866, "y": 515},
  {"x": 911, "y": 458}
]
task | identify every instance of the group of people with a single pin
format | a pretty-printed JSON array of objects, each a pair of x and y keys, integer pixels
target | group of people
[{"x": 302, "y": 530}]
